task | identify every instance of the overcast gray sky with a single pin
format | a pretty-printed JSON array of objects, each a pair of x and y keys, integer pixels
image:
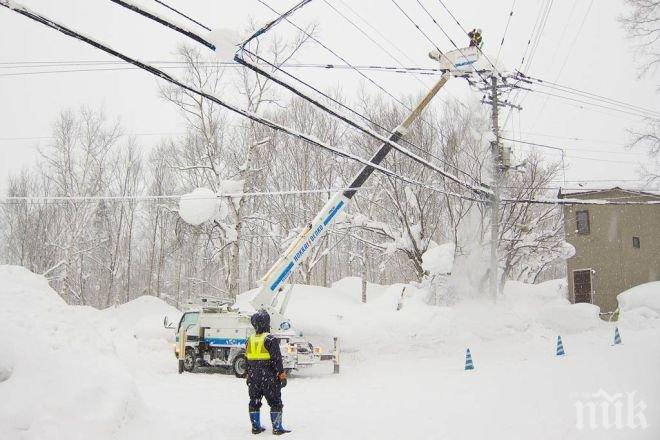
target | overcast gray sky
[{"x": 582, "y": 36}]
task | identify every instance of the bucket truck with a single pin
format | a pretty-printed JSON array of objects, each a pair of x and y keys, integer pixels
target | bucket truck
[{"x": 215, "y": 333}]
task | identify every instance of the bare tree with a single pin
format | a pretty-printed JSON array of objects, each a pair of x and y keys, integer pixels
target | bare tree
[
  {"x": 75, "y": 165},
  {"x": 642, "y": 23},
  {"x": 649, "y": 139},
  {"x": 27, "y": 226},
  {"x": 531, "y": 236}
]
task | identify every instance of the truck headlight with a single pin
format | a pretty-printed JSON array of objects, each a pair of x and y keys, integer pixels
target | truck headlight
[
  {"x": 317, "y": 350},
  {"x": 291, "y": 349}
]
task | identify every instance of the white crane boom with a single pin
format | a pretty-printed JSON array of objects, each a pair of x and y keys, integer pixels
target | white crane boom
[{"x": 299, "y": 248}]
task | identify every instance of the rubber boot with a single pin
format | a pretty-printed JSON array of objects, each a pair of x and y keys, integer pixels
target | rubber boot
[
  {"x": 276, "y": 419},
  {"x": 255, "y": 418}
]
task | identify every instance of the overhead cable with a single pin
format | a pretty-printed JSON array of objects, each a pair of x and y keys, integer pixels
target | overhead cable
[
  {"x": 506, "y": 29},
  {"x": 183, "y": 15},
  {"x": 22, "y": 10},
  {"x": 155, "y": 17}
]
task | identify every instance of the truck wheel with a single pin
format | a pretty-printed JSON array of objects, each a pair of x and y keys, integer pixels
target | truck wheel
[
  {"x": 189, "y": 361},
  {"x": 239, "y": 365}
]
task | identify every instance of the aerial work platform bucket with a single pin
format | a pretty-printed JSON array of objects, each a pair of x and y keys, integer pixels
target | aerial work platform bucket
[{"x": 459, "y": 61}]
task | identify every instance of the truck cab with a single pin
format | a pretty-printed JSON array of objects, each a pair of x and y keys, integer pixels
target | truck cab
[{"x": 215, "y": 336}]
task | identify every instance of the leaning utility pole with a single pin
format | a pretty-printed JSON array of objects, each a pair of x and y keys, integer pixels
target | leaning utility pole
[{"x": 501, "y": 162}]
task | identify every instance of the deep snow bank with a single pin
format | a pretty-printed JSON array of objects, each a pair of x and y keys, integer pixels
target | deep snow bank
[
  {"x": 143, "y": 317},
  {"x": 378, "y": 328},
  {"x": 640, "y": 306},
  {"x": 64, "y": 370},
  {"x": 644, "y": 295},
  {"x": 76, "y": 372}
]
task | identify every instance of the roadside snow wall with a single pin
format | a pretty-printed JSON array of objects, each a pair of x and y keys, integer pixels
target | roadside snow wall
[{"x": 65, "y": 371}]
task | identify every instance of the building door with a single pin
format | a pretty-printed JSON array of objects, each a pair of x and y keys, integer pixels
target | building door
[{"x": 582, "y": 286}]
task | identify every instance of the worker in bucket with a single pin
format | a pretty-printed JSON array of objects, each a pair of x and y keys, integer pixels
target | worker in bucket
[
  {"x": 475, "y": 38},
  {"x": 265, "y": 374}
]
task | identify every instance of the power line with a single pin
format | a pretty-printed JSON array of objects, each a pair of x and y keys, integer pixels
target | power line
[
  {"x": 384, "y": 37},
  {"x": 467, "y": 34},
  {"x": 579, "y": 188},
  {"x": 395, "y": 69},
  {"x": 232, "y": 64},
  {"x": 183, "y": 15},
  {"x": 342, "y": 105},
  {"x": 539, "y": 35},
  {"x": 35, "y": 138},
  {"x": 351, "y": 22},
  {"x": 417, "y": 26},
  {"x": 620, "y": 110},
  {"x": 572, "y": 138},
  {"x": 261, "y": 120},
  {"x": 570, "y": 50},
  {"x": 16, "y": 200},
  {"x": 554, "y": 56},
  {"x": 369, "y": 120},
  {"x": 273, "y": 125},
  {"x": 577, "y": 34},
  {"x": 313, "y": 38},
  {"x": 532, "y": 35},
  {"x": 177, "y": 197},
  {"x": 571, "y": 148},
  {"x": 155, "y": 17},
  {"x": 334, "y": 113},
  {"x": 517, "y": 99},
  {"x": 589, "y": 95},
  {"x": 449, "y": 38},
  {"x": 506, "y": 29},
  {"x": 478, "y": 188},
  {"x": 534, "y": 144},
  {"x": 612, "y": 104}
]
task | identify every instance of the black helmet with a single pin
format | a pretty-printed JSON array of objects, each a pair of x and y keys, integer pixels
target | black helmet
[{"x": 261, "y": 321}]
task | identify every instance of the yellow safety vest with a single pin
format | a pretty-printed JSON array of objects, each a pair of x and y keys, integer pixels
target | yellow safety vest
[{"x": 256, "y": 349}]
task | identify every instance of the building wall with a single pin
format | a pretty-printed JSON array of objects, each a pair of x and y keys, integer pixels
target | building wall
[{"x": 608, "y": 249}]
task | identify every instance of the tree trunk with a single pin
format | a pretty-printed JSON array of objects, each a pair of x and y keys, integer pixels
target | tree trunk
[
  {"x": 235, "y": 266},
  {"x": 129, "y": 256}
]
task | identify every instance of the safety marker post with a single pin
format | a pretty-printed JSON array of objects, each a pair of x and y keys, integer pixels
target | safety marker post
[
  {"x": 469, "y": 365},
  {"x": 560, "y": 347}
]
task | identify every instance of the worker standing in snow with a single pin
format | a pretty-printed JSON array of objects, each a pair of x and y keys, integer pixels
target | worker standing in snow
[{"x": 265, "y": 374}]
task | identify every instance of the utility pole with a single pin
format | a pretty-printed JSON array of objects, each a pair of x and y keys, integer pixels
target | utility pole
[
  {"x": 501, "y": 162},
  {"x": 496, "y": 151}
]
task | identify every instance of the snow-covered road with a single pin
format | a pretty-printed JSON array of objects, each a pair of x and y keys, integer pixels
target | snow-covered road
[
  {"x": 78, "y": 373},
  {"x": 522, "y": 395}
]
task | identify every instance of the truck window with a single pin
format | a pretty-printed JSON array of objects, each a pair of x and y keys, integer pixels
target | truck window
[{"x": 188, "y": 319}]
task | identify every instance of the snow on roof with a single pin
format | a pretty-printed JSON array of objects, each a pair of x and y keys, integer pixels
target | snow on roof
[{"x": 589, "y": 189}]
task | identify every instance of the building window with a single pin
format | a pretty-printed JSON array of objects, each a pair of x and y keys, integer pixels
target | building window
[
  {"x": 582, "y": 218},
  {"x": 636, "y": 242}
]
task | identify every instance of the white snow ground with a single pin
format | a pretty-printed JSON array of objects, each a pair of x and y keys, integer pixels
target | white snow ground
[{"x": 78, "y": 373}]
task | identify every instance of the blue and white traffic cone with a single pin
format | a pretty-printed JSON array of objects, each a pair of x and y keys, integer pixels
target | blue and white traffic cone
[
  {"x": 468, "y": 361},
  {"x": 617, "y": 336},
  {"x": 560, "y": 347}
]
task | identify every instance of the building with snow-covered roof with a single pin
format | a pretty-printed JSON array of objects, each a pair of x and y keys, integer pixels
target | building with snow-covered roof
[{"x": 616, "y": 246}]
